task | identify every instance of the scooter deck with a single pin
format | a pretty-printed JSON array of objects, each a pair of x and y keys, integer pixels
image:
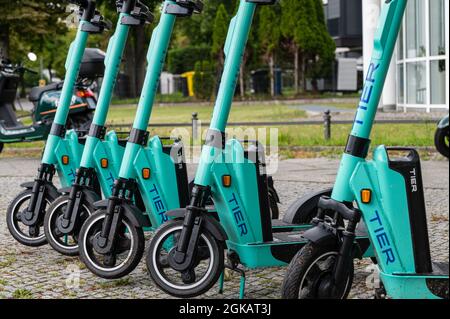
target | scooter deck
[
  {"x": 297, "y": 236},
  {"x": 283, "y": 247},
  {"x": 279, "y": 226}
]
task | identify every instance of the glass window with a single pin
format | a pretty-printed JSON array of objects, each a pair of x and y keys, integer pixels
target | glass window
[
  {"x": 437, "y": 29},
  {"x": 401, "y": 51},
  {"x": 400, "y": 84},
  {"x": 415, "y": 29},
  {"x": 416, "y": 83},
  {"x": 438, "y": 82}
]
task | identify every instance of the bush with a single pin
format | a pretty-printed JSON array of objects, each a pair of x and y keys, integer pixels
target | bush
[
  {"x": 183, "y": 60},
  {"x": 204, "y": 80}
]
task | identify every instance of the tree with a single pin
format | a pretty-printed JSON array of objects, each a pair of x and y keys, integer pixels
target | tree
[
  {"x": 219, "y": 35},
  {"x": 24, "y": 24},
  {"x": 325, "y": 51},
  {"x": 298, "y": 32},
  {"x": 269, "y": 35},
  {"x": 204, "y": 80},
  {"x": 136, "y": 50},
  {"x": 303, "y": 26}
]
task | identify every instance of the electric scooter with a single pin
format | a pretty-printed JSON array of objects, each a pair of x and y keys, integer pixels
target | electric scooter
[
  {"x": 45, "y": 101},
  {"x": 152, "y": 177},
  {"x": 389, "y": 194},
  {"x": 441, "y": 137},
  {"x": 62, "y": 152},
  {"x": 101, "y": 157},
  {"x": 186, "y": 255}
]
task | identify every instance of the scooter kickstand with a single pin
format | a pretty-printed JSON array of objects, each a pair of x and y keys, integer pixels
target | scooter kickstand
[
  {"x": 221, "y": 282},
  {"x": 242, "y": 280}
]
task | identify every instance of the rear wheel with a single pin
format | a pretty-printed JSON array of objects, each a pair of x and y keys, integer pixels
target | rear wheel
[
  {"x": 128, "y": 252},
  {"x": 209, "y": 262},
  {"x": 64, "y": 244},
  {"x": 1, "y": 147},
  {"x": 310, "y": 272},
  {"x": 33, "y": 236},
  {"x": 441, "y": 140}
]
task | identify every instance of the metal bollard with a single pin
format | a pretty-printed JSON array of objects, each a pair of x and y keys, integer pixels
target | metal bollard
[
  {"x": 195, "y": 126},
  {"x": 327, "y": 125}
]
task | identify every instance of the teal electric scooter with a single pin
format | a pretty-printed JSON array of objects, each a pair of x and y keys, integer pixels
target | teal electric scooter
[
  {"x": 111, "y": 242},
  {"x": 186, "y": 255},
  {"x": 25, "y": 214},
  {"x": 389, "y": 194},
  {"x": 102, "y": 153}
]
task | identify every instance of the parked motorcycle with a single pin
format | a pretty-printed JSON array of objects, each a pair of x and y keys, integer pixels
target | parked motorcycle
[
  {"x": 45, "y": 100},
  {"x": 441, "y": 138}
]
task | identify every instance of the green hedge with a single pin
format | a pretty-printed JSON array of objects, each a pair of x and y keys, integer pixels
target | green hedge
[{"x": 183, "y": 60}]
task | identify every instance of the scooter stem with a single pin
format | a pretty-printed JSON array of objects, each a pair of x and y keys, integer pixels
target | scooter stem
[
  {"x": 72, "y": 68},
  {"x": 358, "y": 144},
  {"x": 234, "y": 51},
  {"x": 112, "y": 66},
  {"x": 157, "y": 51}
]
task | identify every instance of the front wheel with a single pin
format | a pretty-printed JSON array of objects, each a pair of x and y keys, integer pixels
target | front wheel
[
  {"x": 62, "y": 243},
  {"x": 209, "y": 262},
  {"x": 32, "y": 236},
  {"x": 441, "y": 140},
  {"x": 310, "y": 273},
  {"x": 129, "y": 247}
]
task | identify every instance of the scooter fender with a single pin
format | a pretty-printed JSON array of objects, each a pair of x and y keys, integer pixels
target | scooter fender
[
  {"x": 89, "y": 195},
  {"x": 132, "y": 213},
  {"x": 321, "y": 235},
  {"x": 443, "y": 123},
  {"x": 305, "y": 207},
  {"x": 50, "y": 187},
  {"x": 27, "y": 185},
  {"x": 210, "y": 224}
]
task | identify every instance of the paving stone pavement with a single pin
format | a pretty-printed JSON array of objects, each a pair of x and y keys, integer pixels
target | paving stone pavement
[{"x": 43, "y": 273}]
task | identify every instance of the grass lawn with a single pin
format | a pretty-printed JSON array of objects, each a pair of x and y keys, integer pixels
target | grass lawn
[
  {"x": 183, "y": 113},
  {"x": 416, "y": 135}
]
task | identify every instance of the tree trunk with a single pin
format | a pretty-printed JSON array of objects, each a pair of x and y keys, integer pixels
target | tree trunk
[
  {"x": 4, "y": 41},
  {"x": 296, "y": 70},
  {"x": 140, "y": 59},
  {"x": 242, "y": 81},
  {"x": 130, "y": 69},
  {"x": 272, "y": 74},
  {"x": 303, "y": 73}
]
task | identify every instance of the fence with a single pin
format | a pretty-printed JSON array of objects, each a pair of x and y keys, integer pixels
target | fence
[{"x": 326, "y": 123}]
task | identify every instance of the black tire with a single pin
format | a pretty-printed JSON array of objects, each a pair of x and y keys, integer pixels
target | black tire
[
  {"x": 87, "y": 254},
  {"x": 154, "y": 264},
  {"x": 300, "y": 267},
  {"x": 274, "y": 210},
  {"x": 1, "y": 147},
  {"x": 13, "y": 220},
  {"x": 54, "y": 238},
  {"x": 441, "y": 140}
]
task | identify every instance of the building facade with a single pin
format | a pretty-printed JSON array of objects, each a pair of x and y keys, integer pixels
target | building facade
[{"x": 418, "y": 78}]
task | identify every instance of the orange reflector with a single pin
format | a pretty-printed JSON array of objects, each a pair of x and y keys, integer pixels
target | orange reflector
[
  {"x": 226, "y": 180},
  {"x": 104, "y": 163},
  {"x": 65, "y": 160},
  {"x": 146, "y": 173},
  {"x": 366, "y": 196}
]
